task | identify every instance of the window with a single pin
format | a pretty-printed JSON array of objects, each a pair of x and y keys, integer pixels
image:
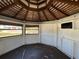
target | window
[
  {"x": 32, "y": 29},
  {"x": 10, "y": 30},
  {"x": 66, "y": 25}
]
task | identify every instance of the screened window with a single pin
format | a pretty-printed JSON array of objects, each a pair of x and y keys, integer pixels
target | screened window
[
  {"x": 10, "y": 30},
  {"x": 32, "y": 29}
]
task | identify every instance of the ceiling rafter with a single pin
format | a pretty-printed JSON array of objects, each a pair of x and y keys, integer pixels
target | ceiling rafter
[
  {"x": 12, "y": 1},
  {"x": 25, "y": 17},
  {"x": 37, "y": 5},
  {"x": 55, "y": 8},
  {"x": 39, "y": 16},
  {"x": 6, "y": 7},
  {"x": 32, "y": 15},
  {"x": 60, "y": 10},
  {"x": 29, "y": 4},
  {"x": 48, "y": 5},
  {"x": 69, "y": 2},
  {"x": 52, "y": 14},
  {"x": 66, "y": 7},
  {"x": 70, "y": 7},
  {"x": 18, "y": 12},
  {"x": 34, "y": 9},
  {"x": 27, "y": 12},
  {"x": 45, "y": 15},
  {"x": 58, "y": 5},
  {"x": 9, "y": 1},
  {"x": 4, "y": 2}
]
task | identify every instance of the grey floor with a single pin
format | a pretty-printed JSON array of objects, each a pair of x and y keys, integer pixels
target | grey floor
[{"x": 35, "y": 51}]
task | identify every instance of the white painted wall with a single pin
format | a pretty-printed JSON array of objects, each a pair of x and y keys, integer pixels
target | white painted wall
[
  {"x": 31, "y": 39},
  {"x": 9, "y": 43},
  {"x": 49, "y": 33},
  {"x": 68, "y": 39}
]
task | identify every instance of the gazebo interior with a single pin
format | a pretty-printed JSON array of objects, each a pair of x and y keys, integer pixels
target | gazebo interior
[{"x": 39, "y": 29}]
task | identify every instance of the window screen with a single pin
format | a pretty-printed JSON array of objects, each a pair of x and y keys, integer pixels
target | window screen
[
  {"x": 32, "y": 29},
  {"x": 10, "y": 30}
]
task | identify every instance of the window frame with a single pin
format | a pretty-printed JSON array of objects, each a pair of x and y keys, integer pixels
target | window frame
[
  {"x": 31, "y": 29},
  {"x": 11, "y": 24}
]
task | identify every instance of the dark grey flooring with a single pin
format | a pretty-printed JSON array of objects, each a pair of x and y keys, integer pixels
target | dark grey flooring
[{"x": 35, "y": 51}]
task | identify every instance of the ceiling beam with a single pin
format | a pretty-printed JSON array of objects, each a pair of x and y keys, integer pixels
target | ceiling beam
[
  {"x": 45, "y": 15},
  {"x": 33, "y": 9},
  {"x": 60, "y": 10},
  {"x": 69, "y": 2},
  {"x": 32, "y": 15},
  {"x": 26, "y": 15},
  {"x": 39, "y": 16},
  {"x": 6, "y": 7}
]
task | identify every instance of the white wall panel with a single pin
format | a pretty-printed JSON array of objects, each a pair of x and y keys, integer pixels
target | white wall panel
[
  {"x": 30, "y": 39},
  {"x": 8, "y": 44},
  {"x": 68, "y": 46},
  {"x": 49, "y": 34}
]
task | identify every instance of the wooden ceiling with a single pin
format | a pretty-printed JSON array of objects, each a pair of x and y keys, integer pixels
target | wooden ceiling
[{"x": 38, "y": 10}]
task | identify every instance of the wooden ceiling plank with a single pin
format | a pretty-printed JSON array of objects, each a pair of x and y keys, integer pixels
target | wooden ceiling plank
[
  {"x": 48, "y": 5},
  {"x": 1, "y": 5},
  {"x": 70, "y": 8},
  {"x": 66, "y": 2},
  {"x": 7, "y": 2},
  {"x": 11, "y": 1},
  {"x": 69, "y": 1},
  {"x": 60, "y": 10},
  {"x": 6, "y": 7},
  {"x": 18, "y": 12},
  {"x": 33, "y": 9},
  {"x": 4, "y": 2},
  {"x": 61, "y": 3},
  {"x": 73, "y": 9},
  {"x": 53, "y": 15},
  {"x": 59, "y": 6}
]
